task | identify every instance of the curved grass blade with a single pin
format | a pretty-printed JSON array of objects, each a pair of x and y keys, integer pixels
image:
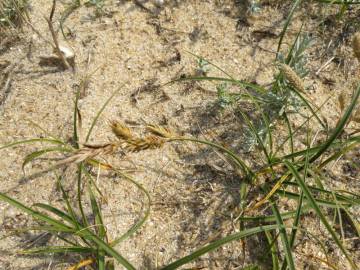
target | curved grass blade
[
  {"x": 299, "y": 128},
  {"x": 29, "y": 158},
  {"x": 218, "y": 243},
  {"x": 106, "y": 247},
  {"x": 92, "y": 181},
  {"x": 68, "y": 205},
  {"x": 338, "y": 154},
  {"x": 99, "y": 113},
  {"x": 56, "y": 211},
  {"x": 237, "y": 160},
  {"x": 137, "y": 225},
  {"x": 316, "y": 207},
  {"x": 339, "y": 128},
  {"x": 47, "y": 140},
  {"x": 270, "y": 193},
  {"x": 307, "y": 104},
  {"x": 61, "y": 227},
  {"x": 72, "y": 7}
]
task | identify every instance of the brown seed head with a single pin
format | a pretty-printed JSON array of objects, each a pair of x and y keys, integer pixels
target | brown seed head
[
  {"x": 160, "y": 131},
  {"x": 292, "y": 77},
  {"x": 121, "y": 131},
  {"x": 356, "y": 45},
  {"x": 149, "y": 142}
]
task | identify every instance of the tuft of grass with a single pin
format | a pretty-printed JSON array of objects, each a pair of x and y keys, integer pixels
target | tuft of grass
[
  {"x": 13, "y": 12},
  {"x": 296, "y": 175}
]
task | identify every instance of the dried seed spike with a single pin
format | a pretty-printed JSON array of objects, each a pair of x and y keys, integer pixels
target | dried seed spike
[
  {"x": 292, "y": 77},
  {"x": 149, "y": 142},
  {"x": 356, "y": 45},
  {"x": 341, "y": 102},
  {"x": 121, "y": 131},
  {"x": 160, "y": 131}
]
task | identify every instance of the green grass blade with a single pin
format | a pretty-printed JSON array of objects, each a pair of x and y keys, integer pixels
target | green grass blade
[
  {"x": 218, "y": 243},
  {"x": 316, "y": 207},
  {"x": 99, "y": 113},
  {"x": 339, "y": 128},
  {"x": 271, "y": 218},
  {"x": 107, "y": 248},
  {"x": 57, "y": 249},
  {"x": 138, "y": 224},
  {"x": 79, "y": 195},
  {"x": 56, "y": 212},
  {"x": 68, "y": 205},
  {"x": 286, "y": 25},
  {"x": 238, "y": 161},
  {"x": 47, "y": 140},
  {"x": 296, "y": 196},
  {"x": 307, "y": 104},
  {"x": 61, "y": 227},
  {"x": 274, "y": 251},
  {"x": 70, "y": 9},
  {"x": 283, "y": 236},
  {"x": 352, "y": 200},
  {"x": 75, "y": 120},
  {"x": 99, "y": 224},
  {"x": 101, "y": 260},
  {"x": 29, "y": 158}
]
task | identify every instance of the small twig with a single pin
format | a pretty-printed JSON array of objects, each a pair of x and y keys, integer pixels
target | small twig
[
  {"x": 54, "y": 36},
  {"x": 325, "y": 65}
]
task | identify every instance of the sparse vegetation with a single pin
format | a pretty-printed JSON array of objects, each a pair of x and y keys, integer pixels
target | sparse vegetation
[
  {"x": 276, "y": 170},
  {"x": 12, "y": 12}
]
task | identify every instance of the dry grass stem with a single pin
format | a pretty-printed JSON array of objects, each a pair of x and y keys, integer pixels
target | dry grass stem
[
  {"x": 89, "y": 152},
  {"x": 55, "y": 39}
]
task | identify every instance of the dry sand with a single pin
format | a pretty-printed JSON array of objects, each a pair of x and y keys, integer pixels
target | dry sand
[{"x": 134, "y": 48}]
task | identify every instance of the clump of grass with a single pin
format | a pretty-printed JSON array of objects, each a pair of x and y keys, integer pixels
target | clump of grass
[
  {"x": 13, "y": 12},
  {"x": 296, "y": 175}
]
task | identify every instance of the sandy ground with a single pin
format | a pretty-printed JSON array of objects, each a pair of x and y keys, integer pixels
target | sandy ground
[{"x": 134, "y": 48}]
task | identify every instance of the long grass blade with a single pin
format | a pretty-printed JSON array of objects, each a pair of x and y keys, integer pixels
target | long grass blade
[
  {"x": 57, "y": 249},
  {"x": 315, "y": 206},
  {"x": 61, "y": 227},
  {"x": 286, "y": 25},
  {"x": 216, "y": 244},
  {"x": 339, "y": 128},
  {"x": 47, "y": 140},
  {"x": 99, "y": 113}
]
